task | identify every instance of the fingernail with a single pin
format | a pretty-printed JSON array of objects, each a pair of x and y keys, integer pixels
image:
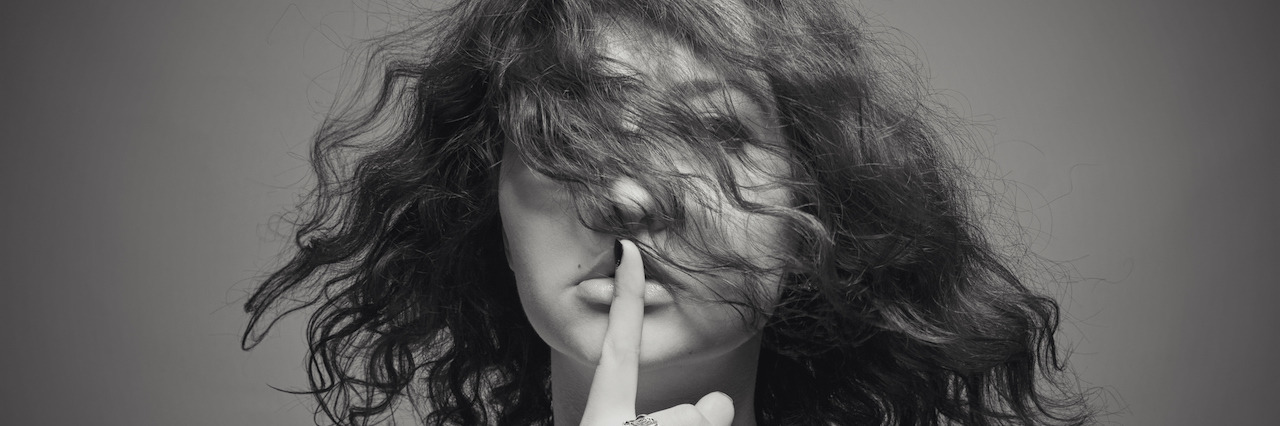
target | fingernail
[{"x": 617, "y": 253}]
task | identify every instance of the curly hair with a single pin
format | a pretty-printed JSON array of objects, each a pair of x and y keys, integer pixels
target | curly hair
[{"x": 895, "y": 308}]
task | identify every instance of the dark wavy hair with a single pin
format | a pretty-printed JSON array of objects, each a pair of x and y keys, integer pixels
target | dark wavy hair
[{"x": 895, "y": 308}]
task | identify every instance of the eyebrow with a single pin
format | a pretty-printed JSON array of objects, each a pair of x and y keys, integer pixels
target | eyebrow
[
  {"x": 702, "y": 87},
  {"x": 696, "y": 87}
]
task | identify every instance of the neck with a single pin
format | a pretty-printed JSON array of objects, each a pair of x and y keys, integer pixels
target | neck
[{"x": 662, "y": 387}]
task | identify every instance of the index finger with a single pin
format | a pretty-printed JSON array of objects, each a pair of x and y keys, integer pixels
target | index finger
[{"x": 612, "y": 399}]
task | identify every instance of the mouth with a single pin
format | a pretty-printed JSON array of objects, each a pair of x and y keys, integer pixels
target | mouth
[
  {"x": 597, "y": 285},
  {"x": 599, "y": 292}
]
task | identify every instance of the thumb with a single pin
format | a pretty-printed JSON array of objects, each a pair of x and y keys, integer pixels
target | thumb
[{"x": 717, "y": 408}]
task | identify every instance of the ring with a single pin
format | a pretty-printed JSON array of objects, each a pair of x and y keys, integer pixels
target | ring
[{"x": 642, "y": 420}]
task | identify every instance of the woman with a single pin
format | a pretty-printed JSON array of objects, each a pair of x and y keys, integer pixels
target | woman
[{"x": 714, "y": 212}]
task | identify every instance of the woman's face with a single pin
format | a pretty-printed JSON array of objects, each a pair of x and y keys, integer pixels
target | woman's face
[{"x": 563, "y": 269}]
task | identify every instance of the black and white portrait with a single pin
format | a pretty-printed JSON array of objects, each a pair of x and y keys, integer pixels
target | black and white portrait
[{"x": 640, "y": 212}]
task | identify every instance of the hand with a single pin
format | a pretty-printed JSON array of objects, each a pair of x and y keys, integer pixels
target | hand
[{"x": 612, "y": 399}]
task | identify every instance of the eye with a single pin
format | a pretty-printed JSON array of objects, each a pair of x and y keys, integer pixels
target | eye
[{"x": 731, "y": 133}]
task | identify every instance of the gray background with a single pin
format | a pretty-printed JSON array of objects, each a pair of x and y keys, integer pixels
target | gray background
[{"x": 147, "y": 145}]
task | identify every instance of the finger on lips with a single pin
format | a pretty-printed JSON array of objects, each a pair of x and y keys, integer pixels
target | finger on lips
[{"x": 611, "y": 400}]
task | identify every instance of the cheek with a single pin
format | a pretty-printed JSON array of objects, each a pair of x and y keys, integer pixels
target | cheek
[
  {"x": 535, "y": 220},
  {"x": 541, "y": 234},
  {"x": 767, "y": 243},
  {"x": 761, "y": 238},
  {"x": 761, "y": 177}
]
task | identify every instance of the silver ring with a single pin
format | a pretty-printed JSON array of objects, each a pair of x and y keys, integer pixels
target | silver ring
[{"x": 641, "y": 420}]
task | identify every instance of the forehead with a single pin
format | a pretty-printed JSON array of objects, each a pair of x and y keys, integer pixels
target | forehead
[
  {"x": 654, "y": 58},
  {"x": 666, "y": 65},
  {"x": 635, "y": 51}
]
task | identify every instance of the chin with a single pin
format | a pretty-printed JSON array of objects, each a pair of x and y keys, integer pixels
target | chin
[
  {"x": 675, "y": 344},
  {"x": 665, "y": 342}
]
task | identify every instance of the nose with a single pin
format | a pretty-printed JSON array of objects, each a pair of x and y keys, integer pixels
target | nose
[{"x": 638, "y": 209}]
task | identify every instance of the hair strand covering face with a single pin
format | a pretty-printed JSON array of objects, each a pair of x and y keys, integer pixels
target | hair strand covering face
[{"x": 895, "y": 309}]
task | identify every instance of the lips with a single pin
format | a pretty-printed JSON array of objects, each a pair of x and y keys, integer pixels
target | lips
[
  {"x": 597, "y": 284},
  {"x": 599, "y": 291}
]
